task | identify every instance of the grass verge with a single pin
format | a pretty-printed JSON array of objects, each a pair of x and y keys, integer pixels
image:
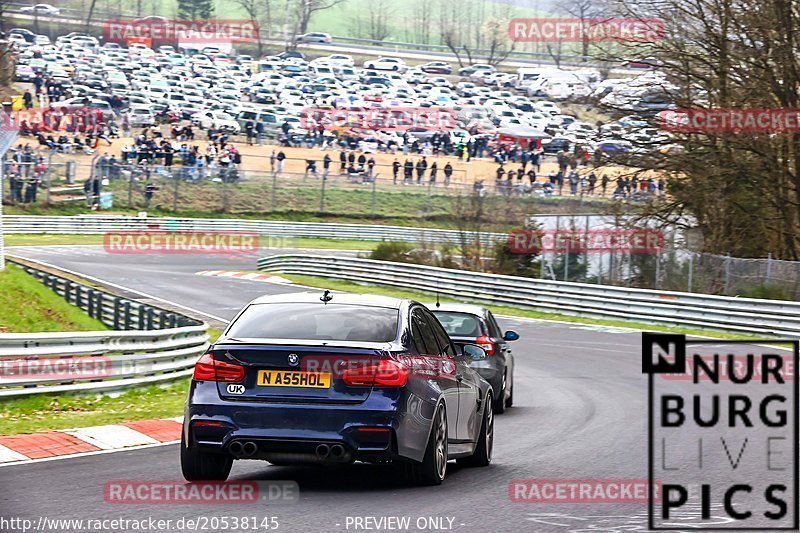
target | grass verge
[
  {"x": 28, "y": 306},
  {"x": 346, "y": 286},
  {"x": 47, "y": 413},
  {"x": 267, "y": 242}
]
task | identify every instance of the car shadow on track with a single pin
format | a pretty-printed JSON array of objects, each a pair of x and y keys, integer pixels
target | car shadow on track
[{"x": 360, "y": 477}]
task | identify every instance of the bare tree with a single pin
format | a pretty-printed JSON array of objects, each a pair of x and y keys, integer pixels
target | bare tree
[
  {"x": 498, "y": 44},
  {"x": 379, "y": 13},
  {"x": 457, "y": 48},
  {"x": 260, "y": 13},
  {"x": 582, "y": 10},
  {"x": 6, "y": 63},
  {"x": 741, "y": 189},
  {"x": 90, "y": 14},
  {"x": 555, "y": 53},
  {"x": 305, "y": 9},
  {"x": 423, "y": 20}
]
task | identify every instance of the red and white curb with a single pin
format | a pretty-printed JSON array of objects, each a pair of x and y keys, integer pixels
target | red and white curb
[
  {"x": 250, "y": 276},
  {"x": 52, "y": 444}
]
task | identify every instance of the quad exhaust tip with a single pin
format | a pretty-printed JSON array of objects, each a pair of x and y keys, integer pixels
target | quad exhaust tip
[
  {"x": 337, "y": 451},
  {"x": 243, "y": 449},
  {"x": 322, "y": 451},
  {"x": 235, "y": 448},
  {"x": 249, "y": 449}
]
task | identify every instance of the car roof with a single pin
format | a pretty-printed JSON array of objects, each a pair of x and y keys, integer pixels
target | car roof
[
  {"x": 369, "y": 300},
  {"x": 458, "y": 308}
]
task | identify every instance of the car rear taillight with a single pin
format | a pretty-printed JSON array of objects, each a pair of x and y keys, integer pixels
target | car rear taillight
[
  {"x": 204, "y": 368},
  {"x": 485, "y": 343},
  {"x": 209, "y": 369},
  {"x": 384, "y": 373}
]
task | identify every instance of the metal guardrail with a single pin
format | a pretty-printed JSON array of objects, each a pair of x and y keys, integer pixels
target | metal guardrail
[
  {"x": 150, "y": 346},
  {"x": 99, "y": 224},
  {"x": 678, "y": 309},
  {"x": 113, "y": 311},
  {"x": 477, "y": 54}
]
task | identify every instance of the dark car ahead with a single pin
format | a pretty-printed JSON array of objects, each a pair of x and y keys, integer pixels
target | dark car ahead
[
  {"x": 436, "y": 67},
  {"x": 317, "y": 378},
  {"x": 557, "y": 144},
  {"x": 473, "y": 324},
  {"x": 291, "y": 54}
]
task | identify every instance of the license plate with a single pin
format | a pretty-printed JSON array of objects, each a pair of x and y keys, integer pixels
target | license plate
[{"x": 280, "y": 378}]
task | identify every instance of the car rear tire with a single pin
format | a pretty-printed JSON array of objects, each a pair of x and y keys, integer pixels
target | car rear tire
[
  {"x": 482, "y": 456},
  {"x": 510, "y": 399},
  {"x": 432, "y": 469},
  {"x": 203, "y": 466}
]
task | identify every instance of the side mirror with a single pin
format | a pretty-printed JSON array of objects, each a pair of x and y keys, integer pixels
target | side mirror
[
  {"x": 473, "y": 352},
  {"x": 510, "y": 336}
]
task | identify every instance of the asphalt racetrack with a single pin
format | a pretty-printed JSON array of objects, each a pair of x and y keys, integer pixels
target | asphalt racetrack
[{"x": 580, "y": 413}]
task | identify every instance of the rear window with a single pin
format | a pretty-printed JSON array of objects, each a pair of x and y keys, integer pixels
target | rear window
[
  {"x": 316, "y": 322},
  {"x": 460, "y": 324}
]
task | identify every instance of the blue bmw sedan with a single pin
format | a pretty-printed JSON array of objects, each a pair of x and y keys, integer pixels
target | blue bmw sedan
[{"x": 315, "y": 378}]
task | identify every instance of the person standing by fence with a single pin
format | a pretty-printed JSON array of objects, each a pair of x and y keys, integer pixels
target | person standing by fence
[
  {"x": 326, "y": 165},
  {"x": 280, "y": 158}
]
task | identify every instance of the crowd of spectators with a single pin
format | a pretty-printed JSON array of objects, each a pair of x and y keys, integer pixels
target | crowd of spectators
[{"x": 25, "y": 169}]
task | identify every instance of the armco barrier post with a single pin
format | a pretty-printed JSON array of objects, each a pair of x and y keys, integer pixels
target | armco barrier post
[
  {"x": 374, "y": 195},
  {"x": 117, "y": 303},
  {"x": 727, "y": 273},
  {"x": 274, "y": 187},
  {"x": 768, "y": 275},
  {"x": 322, "y": 195}
]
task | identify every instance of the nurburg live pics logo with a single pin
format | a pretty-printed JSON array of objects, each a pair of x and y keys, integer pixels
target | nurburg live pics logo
[{"x": 731, "y": 427}]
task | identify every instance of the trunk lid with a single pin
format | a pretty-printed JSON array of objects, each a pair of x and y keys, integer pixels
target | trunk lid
[{"x": 297, "y": 373}]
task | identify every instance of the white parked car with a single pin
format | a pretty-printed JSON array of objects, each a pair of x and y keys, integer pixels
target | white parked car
[
  {"x": 386, "y": 63},
  {"x": 314, "y": 37},
  {"x": 546, "y": 107},
  {"x": 216, "y": 120},
  {"x": 140, "y": 117},
  {"x": 41, "y": 9},
  {"x": 341, "y": 60}
]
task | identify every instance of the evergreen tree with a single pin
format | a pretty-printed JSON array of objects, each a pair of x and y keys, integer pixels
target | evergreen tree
[{"x": 195, "y": 9}]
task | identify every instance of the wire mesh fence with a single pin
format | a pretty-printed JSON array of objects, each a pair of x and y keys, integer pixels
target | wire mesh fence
[
  {"x": 672, "y": 267},
  {"x": 407, "y": 190},
  {"x": 49, "y": 179}
]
